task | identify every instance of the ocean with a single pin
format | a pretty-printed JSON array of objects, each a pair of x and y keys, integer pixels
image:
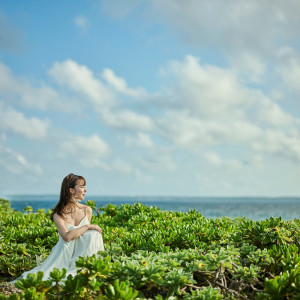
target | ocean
[{"x": 254, "y": 208}]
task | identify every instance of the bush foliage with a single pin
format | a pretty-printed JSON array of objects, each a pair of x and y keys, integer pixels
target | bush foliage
[{"x": 155, "y": 254}]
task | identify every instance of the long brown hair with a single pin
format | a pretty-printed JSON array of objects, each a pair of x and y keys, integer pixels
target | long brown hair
[{"x": 65, "y": 195}]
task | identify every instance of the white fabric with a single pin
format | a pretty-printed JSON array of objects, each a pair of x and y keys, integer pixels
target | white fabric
[{"x": 64, "y": 254}]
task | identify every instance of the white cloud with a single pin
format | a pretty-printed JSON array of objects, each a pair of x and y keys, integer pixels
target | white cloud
[
  {"x": 290, "y": 69},
  {"x": 213, "y": 158},
  {"x": 7, "y": 80},
  {"x": 182, "y": 129},
  {"x": 81, "y": 80},
  {"x": 271, "y": 113},
  {"x": 207, "y": 91},
  {"x": 90, "y": 151},
  {"x": 140, "y": 140},
  {"x": 207, "y": 105},
  {"x": 9, "y": 37},
  {"x": 202, "y": 105},
  {"x": 15, "y": 162},
  {"x": 120, "y": 85},
  {"x": 13, "y": 121},
  {"x": 233, "y": 164},
  {"x": 126, "y": 119},
  {"x": 249, "y": 67},
  {"x": 38, "y": 96},
  {"x": 82, "y": 23},
  {"x": 217, "y": 161},
  {"x": 256, "y": 161},
  {"x": 159, "y": 160},
  {"x": 248, "y": 34},
  {"x": 282, "y": 143},
  {"x": 119, "y": 8},
  {"x": 292, "y": 75},
  {"x": 120, "y": 165},
  {"x": 232, "y": 26},
  {"x": 188, "y": 131}
]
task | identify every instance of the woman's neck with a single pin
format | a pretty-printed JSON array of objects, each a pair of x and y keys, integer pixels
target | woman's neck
[{"x": 71, "y": 207}]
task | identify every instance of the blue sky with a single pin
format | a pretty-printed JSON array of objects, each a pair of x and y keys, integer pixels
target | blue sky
[{"x": 194, "y": 98}]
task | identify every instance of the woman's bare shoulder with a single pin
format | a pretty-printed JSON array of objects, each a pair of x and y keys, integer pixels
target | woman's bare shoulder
[
  {"x": 88, "y": 209},
  {"x": 57, "y": 218}
]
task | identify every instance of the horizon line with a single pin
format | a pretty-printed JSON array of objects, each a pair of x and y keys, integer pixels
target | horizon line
[{"x": 164, "y": 196}]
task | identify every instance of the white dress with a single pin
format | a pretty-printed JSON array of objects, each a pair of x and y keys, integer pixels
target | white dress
[{"x": 64, "y": 254}]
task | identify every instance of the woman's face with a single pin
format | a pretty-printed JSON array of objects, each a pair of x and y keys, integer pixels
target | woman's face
[{"x": 78, "y": 192}]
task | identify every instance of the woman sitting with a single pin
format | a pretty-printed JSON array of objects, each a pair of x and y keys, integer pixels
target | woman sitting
[{"x": 77, "y": 236}]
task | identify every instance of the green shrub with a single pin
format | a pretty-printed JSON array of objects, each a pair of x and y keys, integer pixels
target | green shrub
[{"x": 155, "y": 254}]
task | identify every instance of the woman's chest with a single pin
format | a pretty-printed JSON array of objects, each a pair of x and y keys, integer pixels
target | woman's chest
[{"x": 75, "y": 218}]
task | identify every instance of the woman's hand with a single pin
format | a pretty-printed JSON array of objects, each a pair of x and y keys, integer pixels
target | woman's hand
[{"x": 95, "y": 227}]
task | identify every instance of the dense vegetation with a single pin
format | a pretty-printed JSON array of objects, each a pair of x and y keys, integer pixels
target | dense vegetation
[{"x": 154, "y": 254}]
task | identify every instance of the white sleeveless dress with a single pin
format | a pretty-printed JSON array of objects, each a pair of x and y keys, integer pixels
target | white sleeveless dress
[{"x": 64, "y": 254}]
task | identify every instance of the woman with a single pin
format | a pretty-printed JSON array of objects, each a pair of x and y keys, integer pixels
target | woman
[{"x": 77, "y": 237}]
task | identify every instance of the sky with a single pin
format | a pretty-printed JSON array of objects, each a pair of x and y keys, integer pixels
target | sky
[{"x": 150, "y": 98}]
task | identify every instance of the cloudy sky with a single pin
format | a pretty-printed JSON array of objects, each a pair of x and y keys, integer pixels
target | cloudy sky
[{"x": 197, "y": 98}]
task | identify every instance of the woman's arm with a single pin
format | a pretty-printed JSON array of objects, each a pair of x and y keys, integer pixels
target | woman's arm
[
  {"x": 89, "y": 213},
  {"x": 72, "y": 234}
]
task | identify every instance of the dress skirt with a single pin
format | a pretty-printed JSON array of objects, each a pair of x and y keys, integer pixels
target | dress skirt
[{"x": 65, "y": 254}]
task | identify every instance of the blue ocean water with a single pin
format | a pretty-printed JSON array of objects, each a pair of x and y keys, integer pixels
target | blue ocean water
[{"x": 255, "y": 208}]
